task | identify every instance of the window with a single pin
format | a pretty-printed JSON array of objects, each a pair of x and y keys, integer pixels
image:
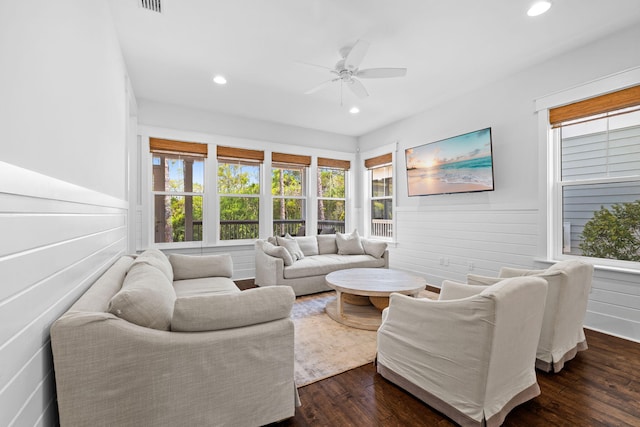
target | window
[
  {"x": 332, "y": 178},
  {"x": 597, "y": 147},
  {"x": 177, "y": 189},
  {"x": 288, "y": 188},
  {"x": 239, "y": 193},
  {"x": 380, "y": 170}
]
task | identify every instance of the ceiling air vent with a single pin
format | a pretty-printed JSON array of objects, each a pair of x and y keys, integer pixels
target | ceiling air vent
[{"x": 152, "y": 5}]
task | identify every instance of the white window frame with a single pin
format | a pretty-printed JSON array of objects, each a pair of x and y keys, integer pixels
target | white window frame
[
  {"x": 303, "y": 197},
  {"x": 550, "y": 155},
  {"x": 146, "y": 195},
  {"x": 367, "y": 191},
  {"x": 259, "y": 196},
  {"x": 346, "y": 198}
]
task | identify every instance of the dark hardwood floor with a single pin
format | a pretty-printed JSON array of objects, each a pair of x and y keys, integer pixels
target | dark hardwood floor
[{"x": 600, "y": 387}]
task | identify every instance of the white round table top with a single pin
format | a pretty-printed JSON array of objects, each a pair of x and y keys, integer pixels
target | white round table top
[{"x": 375, "y": 281}]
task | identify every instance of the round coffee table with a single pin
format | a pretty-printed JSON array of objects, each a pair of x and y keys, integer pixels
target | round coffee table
[{"x": 362, "y": 293}]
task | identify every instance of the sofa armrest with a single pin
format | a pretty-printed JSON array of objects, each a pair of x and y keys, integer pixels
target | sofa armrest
[
  {"x": 198, "y": 266},
  {"x": 108, "y": 369},
  {"x": 225, "y": 311},
  {"x": 269, "y": 269},
  {"x": 385, "y": 256}
]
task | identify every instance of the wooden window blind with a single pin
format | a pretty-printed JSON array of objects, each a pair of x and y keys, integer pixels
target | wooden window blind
[
  {"x": 377, "y": 161},
  {"x": 333, "y": 163},
  {"x": 239, "y": 153},
  {"x": 292, "y": 159},
  {"x": 624, "y": 98},
  {"x": 157, "y": 145}
]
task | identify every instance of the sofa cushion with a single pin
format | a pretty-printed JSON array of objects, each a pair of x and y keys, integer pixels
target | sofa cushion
[
  {"x": 318, "y": 265},
  {"x": 349, "y": 244},
  {"x": 278, "y": 252},
  {"x": 157, "y": 259},
  {"x": 250, "y": 307},
  {"x": 291, "y": 244},
  {"x": 146, "y": 298},
  {"x": 204, "y": 286},
  {"x": 308, "y": 245},
  {"x": 327, "y": 244},
  {"x": 375, "y": 248},
  {"x": 196, "y": 266}
]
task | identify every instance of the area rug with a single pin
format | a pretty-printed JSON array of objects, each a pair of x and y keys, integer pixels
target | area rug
[{"x": 324, "y": 347}]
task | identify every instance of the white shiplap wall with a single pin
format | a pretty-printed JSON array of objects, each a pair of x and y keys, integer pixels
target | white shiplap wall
[
  {"x": 441, "y": 243},
  {"x": 57, "y": 238}
]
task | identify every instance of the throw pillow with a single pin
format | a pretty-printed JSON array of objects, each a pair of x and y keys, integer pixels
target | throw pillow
[
  {"x": 375, "y": 248},
  {"x": 157, "y": 259},
  {"x": 291, "y": 245},
  {"x": 308, "y": 245},
  {"x": 327, "y": 244},
  {"x": 349, "y": 244},
  {"x": 278, "y": 252},
  {"x": 197, "y": 266},
  {"x": 146, "y": 298}
]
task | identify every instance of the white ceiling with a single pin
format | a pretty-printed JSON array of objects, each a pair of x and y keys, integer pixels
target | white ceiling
[{"x": 448, "y": 46}]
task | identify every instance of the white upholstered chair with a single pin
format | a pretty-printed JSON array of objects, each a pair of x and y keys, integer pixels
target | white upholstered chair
[
  {"x": 470, "y": 354},
  {"x": 562, "y": 333}
]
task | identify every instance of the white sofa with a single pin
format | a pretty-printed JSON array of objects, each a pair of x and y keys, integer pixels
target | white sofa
[
  {"x": 167, "y": 342},
  {"x": 321, "y": 255}
]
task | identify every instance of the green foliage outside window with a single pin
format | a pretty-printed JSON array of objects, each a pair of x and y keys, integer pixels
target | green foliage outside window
[
  {"x": 239, "y": 189},
  {"x": 613, "y": 233}
]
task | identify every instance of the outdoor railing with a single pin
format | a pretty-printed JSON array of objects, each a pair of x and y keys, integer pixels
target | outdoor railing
[
  {"x": 250, "y": 229},
  {"x": 382, "y": 227}
]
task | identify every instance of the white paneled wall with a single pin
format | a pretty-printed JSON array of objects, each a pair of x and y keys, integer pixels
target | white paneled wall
[
  {"x": 57, "y": 238},
  {"x": 441, "y": 243}
]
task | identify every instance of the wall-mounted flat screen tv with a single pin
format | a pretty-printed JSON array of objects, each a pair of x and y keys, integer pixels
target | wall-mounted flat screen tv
[{"x": 460, "y": 164}]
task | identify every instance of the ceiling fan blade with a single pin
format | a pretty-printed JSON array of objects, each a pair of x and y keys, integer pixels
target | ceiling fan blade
[
  {"x": 356, "y": 55},
  {"x": 377, "y": 73},
  {"x": 308, "y": 64},
  {"x": 320, "y": 86},
  {"x": 358, "y": 88}
]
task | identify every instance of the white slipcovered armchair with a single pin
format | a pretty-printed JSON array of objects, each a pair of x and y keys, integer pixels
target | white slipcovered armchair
[
  {"x": 562, "y": 333},
  {"x": 470, "y": 354}
]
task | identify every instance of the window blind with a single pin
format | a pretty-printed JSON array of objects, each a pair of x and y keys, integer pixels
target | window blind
[
  {"x": 606, "y": 103},
  {"x": 239, "y": 153},
  {"x": 292, "y": 159},
  {"x": 377, "y": 161},
  {"x": 333, "y": 163},
  {"x": 158, "y": 145}
]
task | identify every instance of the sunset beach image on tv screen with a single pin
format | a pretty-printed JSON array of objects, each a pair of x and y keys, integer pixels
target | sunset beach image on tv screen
[{"x": 459, "y": 164}]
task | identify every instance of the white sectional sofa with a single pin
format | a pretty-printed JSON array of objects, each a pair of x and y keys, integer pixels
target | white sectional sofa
[
  {"x": 303, "y": 262},
  {"x": 168, "y": 342}
]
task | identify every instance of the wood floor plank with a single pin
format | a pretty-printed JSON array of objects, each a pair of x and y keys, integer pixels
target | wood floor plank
[{"x": 600, "y": 387}]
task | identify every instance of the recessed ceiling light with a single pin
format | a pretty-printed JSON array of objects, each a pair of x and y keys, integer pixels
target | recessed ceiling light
[
  {"x": 220, "y": 80},
  {"x": 539, "y": 7},
  {"x": 354, "y": 110}
]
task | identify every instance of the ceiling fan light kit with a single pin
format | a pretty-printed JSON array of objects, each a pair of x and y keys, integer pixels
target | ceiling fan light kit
[{"x": 347, "y": 71}]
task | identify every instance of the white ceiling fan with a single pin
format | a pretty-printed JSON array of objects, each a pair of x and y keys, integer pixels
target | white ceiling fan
[{"x": 346, "y": 71}]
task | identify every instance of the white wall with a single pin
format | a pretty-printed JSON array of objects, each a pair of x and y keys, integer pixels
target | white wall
[
  {"x": 176, "y": 117},
  {"x": 63, "y": 116},
  {"x": 446, "y": 236}
]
